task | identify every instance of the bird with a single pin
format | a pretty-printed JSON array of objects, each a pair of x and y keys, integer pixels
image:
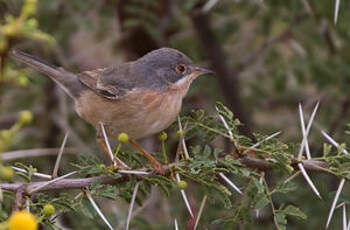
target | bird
[{"x": 140, "y": 98}]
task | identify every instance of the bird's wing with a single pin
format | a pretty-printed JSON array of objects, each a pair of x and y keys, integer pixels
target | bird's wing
[{"x": 111, "y": 83}]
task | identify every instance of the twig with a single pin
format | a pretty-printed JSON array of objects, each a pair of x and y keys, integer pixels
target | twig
[{"x": 19, "y": 198}]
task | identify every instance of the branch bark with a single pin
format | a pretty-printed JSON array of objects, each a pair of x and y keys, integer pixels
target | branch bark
[{"x": 79, "y": 183}]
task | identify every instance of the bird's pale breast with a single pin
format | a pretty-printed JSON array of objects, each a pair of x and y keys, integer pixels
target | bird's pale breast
[{"x": 139, "y": 114}]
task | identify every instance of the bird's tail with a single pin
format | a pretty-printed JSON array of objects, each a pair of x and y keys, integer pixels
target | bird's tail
[{"x": 67, "y": 80}]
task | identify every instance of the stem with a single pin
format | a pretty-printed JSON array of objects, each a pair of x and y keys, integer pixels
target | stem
[
  {"x": 117, "y": 150},
  {"x": 164, "y": 152}
]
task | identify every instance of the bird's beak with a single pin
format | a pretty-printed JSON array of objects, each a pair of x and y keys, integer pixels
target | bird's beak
[{"x": 201, "y": 71}]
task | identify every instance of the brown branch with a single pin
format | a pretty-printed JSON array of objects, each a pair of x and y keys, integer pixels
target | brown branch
[
  {"x": 79, "y": 183},
  {"x": 19, "y": 197},
  {"x": 227, "y": 78}
]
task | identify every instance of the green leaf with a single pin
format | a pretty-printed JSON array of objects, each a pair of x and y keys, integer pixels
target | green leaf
[
  {"x": 280, "y": 221},
  {"x": 291, "y": 210},
  {"x": 262, "y": 202},
  {"x": 284, "y": 188}
]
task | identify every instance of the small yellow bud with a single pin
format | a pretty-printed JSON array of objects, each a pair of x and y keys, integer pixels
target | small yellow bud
[
  {"x": 5, "y": 135},
  {"x": 33, "y": 23},
  {"x": 123, "y": 138},
  {"x": 163, "y": 136},
  {"x": 179, "y": 133},
  {"x": 23, "y": 220},
  {"x": 103, "y": 166},
  {"x": 6, "y": 173},
  {"x": 48, "y": 210},
  {"x": 26, "y": 117},
  {"x": 11, "y": 30},
  {"x": 22, "y": 80},
  {"x": 290, "y": 168},
  {"x": 182, "y": 184},
  {"x": 29, "y": 9}
]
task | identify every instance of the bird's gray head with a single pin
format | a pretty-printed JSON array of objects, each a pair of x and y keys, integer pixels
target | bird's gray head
[{"x": 166, "y": 66}]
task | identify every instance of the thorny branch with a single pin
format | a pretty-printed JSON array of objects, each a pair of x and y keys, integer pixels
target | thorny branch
[{"x": 79, "y": 183}]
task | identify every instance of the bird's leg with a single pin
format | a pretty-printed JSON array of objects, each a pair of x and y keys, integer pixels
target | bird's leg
[{"x": 158, "y": 167}]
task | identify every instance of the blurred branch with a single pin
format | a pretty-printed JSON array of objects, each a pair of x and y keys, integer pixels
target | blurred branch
[
  {"x": 338, "y": 120},
  {"x": 79, "y": 183},
  {"x": 282, "y": 37},
  {"x": 228, "y": 78},
  {"x": 15, "y": 155}
]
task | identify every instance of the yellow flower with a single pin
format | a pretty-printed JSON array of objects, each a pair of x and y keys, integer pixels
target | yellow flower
[{"x": 23, "y": 220}]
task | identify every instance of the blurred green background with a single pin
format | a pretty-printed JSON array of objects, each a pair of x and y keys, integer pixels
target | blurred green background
[{"x": 268, "y": 56}]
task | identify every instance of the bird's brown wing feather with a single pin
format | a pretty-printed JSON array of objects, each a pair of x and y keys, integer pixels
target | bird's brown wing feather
[{"x": 112, "y": 83}]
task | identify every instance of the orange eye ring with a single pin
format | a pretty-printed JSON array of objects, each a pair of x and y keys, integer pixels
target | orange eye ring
[{"x": 181, "y": 68}]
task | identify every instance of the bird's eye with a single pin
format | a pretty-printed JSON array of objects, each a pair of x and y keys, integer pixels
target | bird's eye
[{"x": 181, "y": 69}]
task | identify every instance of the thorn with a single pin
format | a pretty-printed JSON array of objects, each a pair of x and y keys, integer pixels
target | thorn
[
  {"x": 204, "y": 200},
  {"x": 184, "y": 197},
  {"x": 336, "y": 11},
  {"x": 304, "y": 140},
  {"x": 176, "y": 225},
  {"x": 209, "y": 5},
  {"x": 260, "y": 142},
  {"x": 132, "y": 205},
  {"x": 59, "y": 156},
  {"x": 110, "y": 153},
  {"x": 183, "y": 139},
  {"x": 229, "y": 131},
  {"x": 230, "y": 183},
  {"x": 308, "y": 180},
  {"x": 333, "y": 142},
  {"x": 51, "y": 181},
  {"x": 335, "y": 200},
  {"x": 291, "y": 177},
  {"x": 40, "y": 175},
  {"x": 136, "y": 172},
  {"x": 98, "y": 210},
  {"x": 306, "y": 132}
]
